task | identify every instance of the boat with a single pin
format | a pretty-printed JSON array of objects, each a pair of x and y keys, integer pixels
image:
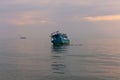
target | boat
[
  {"x": 22, "y": 37},
  {"x": 58, "y": 38}
]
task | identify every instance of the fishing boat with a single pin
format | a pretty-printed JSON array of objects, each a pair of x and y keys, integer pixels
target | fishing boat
[
  {"x": 22, "y": 37},
  {"x": 58, "y": 38}
]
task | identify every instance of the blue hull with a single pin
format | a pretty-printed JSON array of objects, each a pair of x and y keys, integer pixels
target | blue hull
[{"x": 60, "y": 41}]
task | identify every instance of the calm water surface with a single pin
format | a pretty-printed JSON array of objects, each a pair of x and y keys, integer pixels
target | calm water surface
[{"x": 37, "y": 59}]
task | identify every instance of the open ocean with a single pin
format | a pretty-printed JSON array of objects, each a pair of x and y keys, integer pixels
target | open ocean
[{"x": 38, "y": 59}]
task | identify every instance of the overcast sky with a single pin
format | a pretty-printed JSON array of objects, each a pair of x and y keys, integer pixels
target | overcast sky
[{"x": 91, "y": 18}]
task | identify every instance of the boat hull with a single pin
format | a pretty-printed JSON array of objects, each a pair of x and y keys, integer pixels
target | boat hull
[{"x": 61, "y": 41}]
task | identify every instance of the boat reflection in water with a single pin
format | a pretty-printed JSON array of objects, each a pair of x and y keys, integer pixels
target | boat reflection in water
[
  {"x": 59, "y": 48},
  {"x": 59, "y": 59}
]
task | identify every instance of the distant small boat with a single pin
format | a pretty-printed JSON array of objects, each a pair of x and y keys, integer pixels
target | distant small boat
[
  {"x": 58, "y": 38},
  {"x": 22, "y": 37}
]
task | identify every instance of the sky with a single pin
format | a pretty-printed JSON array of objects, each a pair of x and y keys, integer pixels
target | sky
[{"x": 83, "y": 18}]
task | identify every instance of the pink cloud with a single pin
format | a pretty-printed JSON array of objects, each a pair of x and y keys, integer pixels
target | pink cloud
[
  {"x": 30, "y": 18},
  {"x": 103, "y": 18}
]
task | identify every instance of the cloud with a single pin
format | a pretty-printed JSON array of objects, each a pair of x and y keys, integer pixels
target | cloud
[
  {"x": 30, "y": 18},
  {"x": 103, "y": 18},
  {"x": 28, "y": 21}
]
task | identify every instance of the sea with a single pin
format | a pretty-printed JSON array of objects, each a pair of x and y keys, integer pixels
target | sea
[{"x": 38, "y": 59}]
